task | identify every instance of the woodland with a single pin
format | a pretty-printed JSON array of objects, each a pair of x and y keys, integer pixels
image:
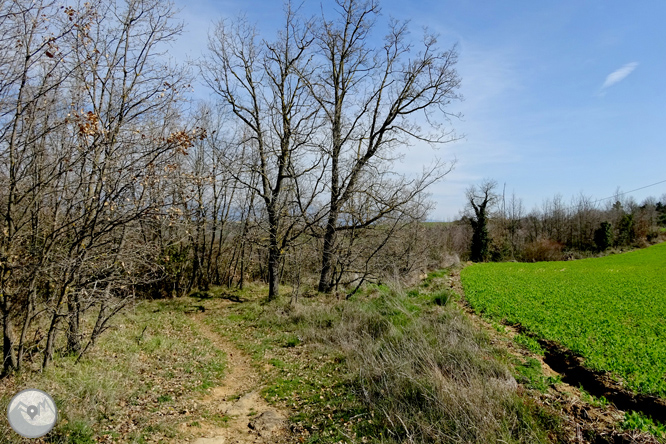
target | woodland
[{"x": 116, "y": 184}]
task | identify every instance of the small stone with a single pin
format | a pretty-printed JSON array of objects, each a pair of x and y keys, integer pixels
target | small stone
[
  {"x": 243, "y": 405},
  {"x": 216, "y": 440}
]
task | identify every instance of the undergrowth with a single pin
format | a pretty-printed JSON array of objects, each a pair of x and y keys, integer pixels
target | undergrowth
[
  {"x": 132, "y": 387},
  {"x": 387, "y": 366}
]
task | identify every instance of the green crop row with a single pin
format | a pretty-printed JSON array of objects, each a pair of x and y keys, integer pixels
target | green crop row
[{"x": 610, "y": 310}]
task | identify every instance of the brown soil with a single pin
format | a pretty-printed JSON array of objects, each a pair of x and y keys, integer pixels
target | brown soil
[{"x": 240, "y": 415}]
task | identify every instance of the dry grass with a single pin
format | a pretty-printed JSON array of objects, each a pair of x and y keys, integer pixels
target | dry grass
[
  {"x": 422, "y": 371},
  {"x": 134, "y": 386},
  {"x": 429, "y": 375},
  {"x": 387, "y": 366}
]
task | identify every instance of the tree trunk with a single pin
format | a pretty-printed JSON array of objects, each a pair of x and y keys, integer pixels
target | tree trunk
[
  {"x": 8, "y": 360},
  {"x": 74, "y": 318},
  {"x": 273, "y": 258},
  {"x": 53, "y": 328},
  {"x": 24, "y": 330},
  {"x": 273, "y": 272},
  {"x": 326, "y": 276},
  {"x": 50, "y": 340}
]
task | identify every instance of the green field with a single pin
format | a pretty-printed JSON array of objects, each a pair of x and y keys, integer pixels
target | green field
[{"x": 610, "y": 310}]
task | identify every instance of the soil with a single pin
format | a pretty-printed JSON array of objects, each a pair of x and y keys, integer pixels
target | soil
[{"x": 237, "y": 403}]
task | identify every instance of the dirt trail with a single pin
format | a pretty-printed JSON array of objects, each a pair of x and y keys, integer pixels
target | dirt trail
[{"x": 249, "y": 419}]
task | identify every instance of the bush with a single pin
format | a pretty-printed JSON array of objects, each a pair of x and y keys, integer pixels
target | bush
[
  {"x": 543, "y": 250},
  {"x": 652, "y": 236},
  {"x": 603, "y": 236}
]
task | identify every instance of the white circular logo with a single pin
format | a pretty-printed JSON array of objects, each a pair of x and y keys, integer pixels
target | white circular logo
[{"x": 32, "y": 413}]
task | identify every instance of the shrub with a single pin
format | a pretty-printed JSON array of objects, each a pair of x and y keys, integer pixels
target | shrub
[
  {"x": 603, "y": 236},
  {"x": 543, "y": 250}
]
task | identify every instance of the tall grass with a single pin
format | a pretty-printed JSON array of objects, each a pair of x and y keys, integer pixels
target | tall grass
[{"x": 424, "y": 371}]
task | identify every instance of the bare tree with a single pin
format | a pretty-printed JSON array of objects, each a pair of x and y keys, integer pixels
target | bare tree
[
  {"x": 87, "y": 121},
  {"x": 372, "y": 100},
  {"x": 585, "y": 220},
  {"x": 555, "y": 215},
  {"x": 515, "y": 214},
  {"x": 506, "y": 240},
  {"x": 123, "y": 97},
  {"x": 32, "y": 76},
  {"x": 258, "y": 81},
  {"x": 216, "y": 204}
]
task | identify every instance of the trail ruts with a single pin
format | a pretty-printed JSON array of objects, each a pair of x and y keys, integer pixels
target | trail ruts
[{"x": 237, "y": 403}]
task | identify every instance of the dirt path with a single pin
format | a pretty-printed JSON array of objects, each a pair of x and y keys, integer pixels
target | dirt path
[{"x": 237, "y": 404}]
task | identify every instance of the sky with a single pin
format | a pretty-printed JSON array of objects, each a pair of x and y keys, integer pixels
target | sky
[{"x": 565, "y": 97}]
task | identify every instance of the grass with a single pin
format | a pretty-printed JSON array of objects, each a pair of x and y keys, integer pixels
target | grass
[
  {"x": 530, "y": 374},
  {"x": 384, "y": 367},
  {"x": 133, "y": 384},
  {"x": 387, "y": 366},
  {"x": 593, "y": 400},
  {"x": 529, "y": 343},
  {"x": 609, "y": 310},
  {"x": 638, "y": 421}
]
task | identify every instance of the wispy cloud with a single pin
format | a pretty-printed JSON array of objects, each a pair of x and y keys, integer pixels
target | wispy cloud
[{"x": 619, "y": 74}]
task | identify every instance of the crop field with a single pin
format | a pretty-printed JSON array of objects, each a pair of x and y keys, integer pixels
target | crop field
[{"x": 610, "y": 310}]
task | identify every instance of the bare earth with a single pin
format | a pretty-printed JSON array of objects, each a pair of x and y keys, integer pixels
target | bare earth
[{"x": 250, "y": 418}]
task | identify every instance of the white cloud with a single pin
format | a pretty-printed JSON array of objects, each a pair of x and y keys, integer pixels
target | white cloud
[{"x": 619, "y": 74}]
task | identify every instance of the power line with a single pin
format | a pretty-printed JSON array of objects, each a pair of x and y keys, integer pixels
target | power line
[
  {"x": 627, "y": 192},
  {"x": 572, "y": 207}
]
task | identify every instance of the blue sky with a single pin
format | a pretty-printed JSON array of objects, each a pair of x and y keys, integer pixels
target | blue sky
[{"x": 560, "y": 97}]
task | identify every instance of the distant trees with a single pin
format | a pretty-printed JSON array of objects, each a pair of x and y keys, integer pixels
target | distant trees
[
  {"x": 626, "y": 234},
  {"x": 660, "y": 209},
  {"x": 510, "y": 214},
  {"x": 556, "y": 231},
  {"x": 603, "y": 236}
]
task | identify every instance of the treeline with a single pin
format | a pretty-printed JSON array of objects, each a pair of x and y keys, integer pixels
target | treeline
[
  {"x": 558, "y": 230},
  {"x": 114, "y": 184}
]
